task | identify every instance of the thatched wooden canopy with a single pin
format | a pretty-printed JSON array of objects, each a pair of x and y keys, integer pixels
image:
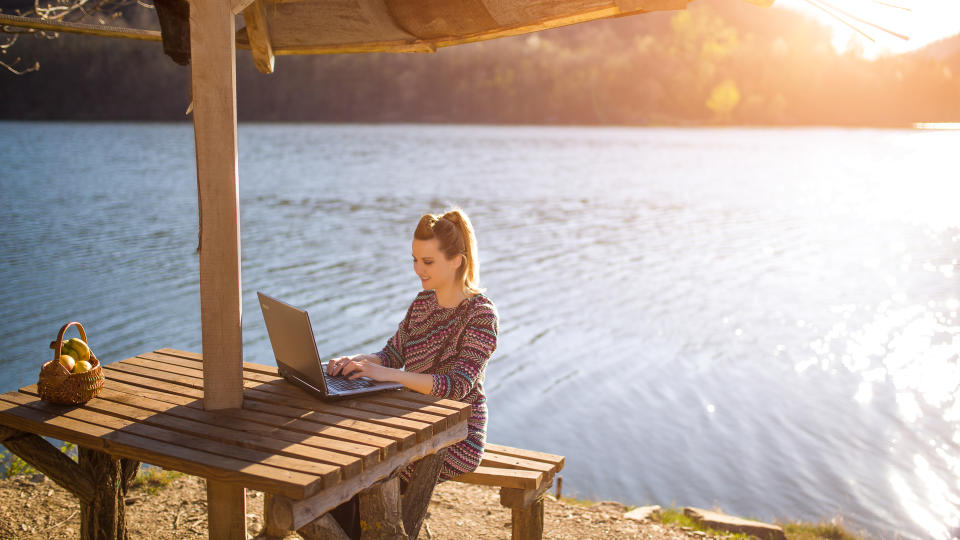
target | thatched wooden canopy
[{"x": 278, "y": 27}]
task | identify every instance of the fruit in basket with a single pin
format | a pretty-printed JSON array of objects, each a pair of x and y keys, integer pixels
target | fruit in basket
[
  {"x": 67, "y": 361},
  {"x": 82, "y": 367},
  {"x": 76, "y": 348}
]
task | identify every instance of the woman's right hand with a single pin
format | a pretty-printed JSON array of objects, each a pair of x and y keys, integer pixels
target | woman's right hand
[{"x": 335, "y": 365}]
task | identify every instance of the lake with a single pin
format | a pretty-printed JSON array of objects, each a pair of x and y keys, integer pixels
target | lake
[{"x": 763, "y": 320}]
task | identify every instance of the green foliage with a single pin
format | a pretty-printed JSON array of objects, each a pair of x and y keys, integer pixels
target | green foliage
[
  {"x": 12, "y": 465},
  {"x": 152, "y": 479}
]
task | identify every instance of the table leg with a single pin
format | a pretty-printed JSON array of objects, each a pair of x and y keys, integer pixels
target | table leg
[
  {"x": 104, "y": 515},
  {"x": 226, "y": 511},
  {"x": 416, "y": 499},
  {"x": 381, "y": 517},
  {"x": 98, "y": 480}
]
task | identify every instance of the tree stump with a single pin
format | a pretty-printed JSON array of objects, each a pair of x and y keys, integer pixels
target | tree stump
[
  {"x": 416, "y": 497},
  {"x": 381, "y": 517},
  {"x": 103, "y": 516}
]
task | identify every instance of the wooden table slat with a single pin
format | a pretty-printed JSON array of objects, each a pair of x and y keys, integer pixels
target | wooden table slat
[
  {"x": 406, "y": 395},
  {"x": 115, "y": 372},
  {"x": 243, "y": 421},
  {"x": 307, "y": 405},
  {"x": 400, "y": 418},
  {"x": 282, "y": 415},
  {"x": 179, "y": 431},
  {"x": 404, "y": 437},
  {"x": 391, "y": 417},
  {"x": 49, "y": 421},
  {"x": 217, "y": 426}
]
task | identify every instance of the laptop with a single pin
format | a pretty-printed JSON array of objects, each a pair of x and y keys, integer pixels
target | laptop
[{"x": 298, "y": 360}]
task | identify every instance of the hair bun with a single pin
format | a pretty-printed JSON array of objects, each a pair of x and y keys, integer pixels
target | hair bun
[{"x": 452, "y": 217}]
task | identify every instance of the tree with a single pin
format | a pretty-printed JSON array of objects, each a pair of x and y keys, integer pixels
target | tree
[{"x": 55, "y": 10}]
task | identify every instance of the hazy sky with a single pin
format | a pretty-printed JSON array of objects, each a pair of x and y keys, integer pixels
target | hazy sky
[{"x": 926, "y": 22}]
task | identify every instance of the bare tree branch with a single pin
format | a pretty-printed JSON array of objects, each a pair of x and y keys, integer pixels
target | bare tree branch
[
  {"x": 35, "y": 67},
  {"x": 63, "y": 11}
]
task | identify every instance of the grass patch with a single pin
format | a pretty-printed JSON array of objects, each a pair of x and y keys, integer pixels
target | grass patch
[
  {"x": 152, "y": 479},
  {"x": 796, "y": 530}
]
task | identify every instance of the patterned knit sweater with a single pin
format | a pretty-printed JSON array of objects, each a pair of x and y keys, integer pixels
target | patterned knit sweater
[{"x": 454, "y": 345}]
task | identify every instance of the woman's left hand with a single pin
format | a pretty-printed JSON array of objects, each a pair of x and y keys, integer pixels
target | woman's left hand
[{"x": 361, "y": 367}]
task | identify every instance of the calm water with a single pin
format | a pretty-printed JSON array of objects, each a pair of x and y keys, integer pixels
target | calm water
[{"x": 762, "y": 320}]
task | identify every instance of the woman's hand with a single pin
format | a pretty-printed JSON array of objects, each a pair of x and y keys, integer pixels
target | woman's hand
[
  {"x": 368, "y": 365},
  {"x": 359, "y": 365}
]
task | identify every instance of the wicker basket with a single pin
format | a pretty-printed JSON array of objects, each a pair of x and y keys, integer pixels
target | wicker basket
[{"x": 57, "y": 385}]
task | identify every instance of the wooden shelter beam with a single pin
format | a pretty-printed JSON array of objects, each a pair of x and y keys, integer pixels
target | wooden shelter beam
[
  {"x": 79, "y": 28},
  {"x": 258, "y": 32},
  {"x": 240, "y": 5}
]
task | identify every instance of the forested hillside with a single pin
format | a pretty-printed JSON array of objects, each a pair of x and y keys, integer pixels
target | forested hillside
[{"x": 718, "y": 62}]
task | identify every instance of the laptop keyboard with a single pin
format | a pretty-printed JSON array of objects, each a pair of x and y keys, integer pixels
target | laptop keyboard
[{"x": 340, "y": 384}]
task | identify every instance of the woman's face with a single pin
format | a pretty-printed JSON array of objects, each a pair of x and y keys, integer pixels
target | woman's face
[{"x": 432, "y": 266}]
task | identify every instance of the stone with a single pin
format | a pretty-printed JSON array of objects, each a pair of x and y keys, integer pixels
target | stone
[
  {"x": 38, "y": 478},
  {"x": 643, "y": 513},
  {"x": 609, "y": 506},
  {"x": 723, "y": 522}
]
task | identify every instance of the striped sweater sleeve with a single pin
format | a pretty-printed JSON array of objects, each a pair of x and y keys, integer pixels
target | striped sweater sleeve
[
  {"x": 479, "y": 342},
  {"x": 391, "y": 355}
]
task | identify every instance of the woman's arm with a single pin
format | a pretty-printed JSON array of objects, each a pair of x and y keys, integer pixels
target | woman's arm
[{"x": 368, "y": 365}]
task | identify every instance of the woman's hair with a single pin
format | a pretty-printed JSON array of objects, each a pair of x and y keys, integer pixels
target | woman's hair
[{"x": 454, "y": 234}]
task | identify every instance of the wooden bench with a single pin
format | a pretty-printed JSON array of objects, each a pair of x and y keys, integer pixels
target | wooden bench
[{"x": 523, "y": 477}]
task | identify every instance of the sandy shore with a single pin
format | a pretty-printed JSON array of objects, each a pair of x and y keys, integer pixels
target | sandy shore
[{"x": 178, "y": 510}]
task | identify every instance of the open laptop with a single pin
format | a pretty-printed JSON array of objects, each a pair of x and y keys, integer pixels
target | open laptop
[{"x": 298, "y": 360}]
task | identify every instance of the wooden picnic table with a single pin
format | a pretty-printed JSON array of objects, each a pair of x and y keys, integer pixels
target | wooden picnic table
[{"x": 307, "y": 455}]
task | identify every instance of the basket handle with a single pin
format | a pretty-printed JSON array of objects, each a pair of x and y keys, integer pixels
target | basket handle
[{"x": 56, "y": 345}]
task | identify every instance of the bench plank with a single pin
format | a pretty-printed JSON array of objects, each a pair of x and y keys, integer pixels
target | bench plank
[
  {"x": 557, "y": 461},
  {"x": 494, "y": 476},
  {"x": 493, "y": 459}
]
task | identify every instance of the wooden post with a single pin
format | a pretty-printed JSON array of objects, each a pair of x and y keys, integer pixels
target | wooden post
[
  {"x": 226, "y": 511},
  {"x": 213, "y": 78},
  {"x": 214, "y": 89}
]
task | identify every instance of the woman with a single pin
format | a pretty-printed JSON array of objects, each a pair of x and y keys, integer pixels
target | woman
[{"x": 442, "y": 346}]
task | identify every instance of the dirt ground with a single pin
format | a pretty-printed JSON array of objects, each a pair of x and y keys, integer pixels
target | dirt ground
[{"x": 36, "y": 508}]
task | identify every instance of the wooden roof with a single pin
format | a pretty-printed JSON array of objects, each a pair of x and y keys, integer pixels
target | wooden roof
[{"x": 276, "y": 27}]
